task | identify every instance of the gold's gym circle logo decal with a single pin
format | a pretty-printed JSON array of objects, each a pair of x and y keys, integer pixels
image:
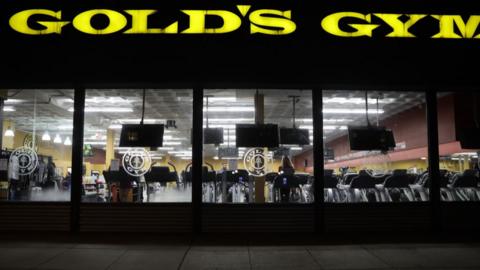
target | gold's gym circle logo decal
[
  {"x": 136, "y": 162},
  {"x": 26, "y": 158},
  {"x": 254, "y": 161}
]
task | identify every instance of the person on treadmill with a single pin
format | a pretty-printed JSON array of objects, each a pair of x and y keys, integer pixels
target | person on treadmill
[{"x": 287, "y": 166}]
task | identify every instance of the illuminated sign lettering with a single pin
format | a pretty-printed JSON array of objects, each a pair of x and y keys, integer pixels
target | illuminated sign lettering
[
  {"x": 332, "y": 24},
  {"x": 264, "y": 21},
  {"x": 257, "y": 21}
]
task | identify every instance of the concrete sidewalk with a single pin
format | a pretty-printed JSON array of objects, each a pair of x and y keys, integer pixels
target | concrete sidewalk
[{"x": 206, "y": 253}]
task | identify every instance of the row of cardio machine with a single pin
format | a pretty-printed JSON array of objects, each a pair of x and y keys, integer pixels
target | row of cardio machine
[
  {"x": 238, "y": 186},
  {"x": 399, "y": 186},
  {"x": 122, "y": 187}
]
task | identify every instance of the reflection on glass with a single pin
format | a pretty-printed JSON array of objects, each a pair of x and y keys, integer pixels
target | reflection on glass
[
  {"x": 386, "y": 169},
  {"x": 257, "y": 146},
  {"x": 116, "y": 171},
  {"x": 33, "y": 167},
  {"x": 459, "y": 146}
]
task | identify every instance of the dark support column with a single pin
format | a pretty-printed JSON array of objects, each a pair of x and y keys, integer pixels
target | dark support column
[
  {"x": 77, "y": 158},
  {"x": 433, "y": 159},
  {"x": 197, "y": 158},
  {"x": 318, "y": 159}
]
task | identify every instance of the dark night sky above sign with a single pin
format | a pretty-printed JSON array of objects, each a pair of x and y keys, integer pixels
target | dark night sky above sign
[{"x": 309, "y": 54}]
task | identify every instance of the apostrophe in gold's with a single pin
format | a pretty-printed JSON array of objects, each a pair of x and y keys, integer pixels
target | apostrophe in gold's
[
  {"x": 448, "y": 23},
  {"x": 83, "y": 22},
  {"x": 19, "y": 22},
  {"x": 331, "y": 24}
]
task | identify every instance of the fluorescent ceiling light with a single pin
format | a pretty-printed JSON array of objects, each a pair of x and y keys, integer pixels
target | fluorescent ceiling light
[
  {"x": 337, "y": 120},
  {"x": 174, "y": 138},
  {"x": 8, "y": 109},
  {"x": 342, "y": 100},
  {"x": 115, "y": 127},
  {"x": 97, "y": 137},
  {"x": 95, "y": 143},
  {"x": 217, "y": 99},
  {"x": 227, "y": 120},
  {"x": 220, "y": 126},
  {"x": 180, "y": 152},
  {"x": 186, "y": 158},
  {"x": 230, "y": 109},
  {"x": 296, "y": 148},
  {"x": 111, "y": 100},
  {"x": 351, "y": 111},
  {"x": 105, "y": 109},
  {"x": 171, "y": 143},
  {"x": 228, "y": 144},
  {"x": 325, "y": 127},
  {"x": 137, "y": 121},
  {"x": 14, "y": 101},
  {"x": 165, "y": 148},
  {"x": 465, "y": 154},
  {"x": 328, "y": 120}
]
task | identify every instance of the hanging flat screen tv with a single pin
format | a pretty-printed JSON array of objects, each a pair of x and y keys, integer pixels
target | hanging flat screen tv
[
  {"x": 150, "y": 135},
  {"x": 294, "y": 136},
  {"x": 371, "y": 138},
  {"x": 213, "y": 136},
  {"x": 253, "y": 135}
]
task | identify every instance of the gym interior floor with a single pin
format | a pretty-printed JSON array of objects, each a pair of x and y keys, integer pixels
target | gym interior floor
[{"x": 131, "y": 251}]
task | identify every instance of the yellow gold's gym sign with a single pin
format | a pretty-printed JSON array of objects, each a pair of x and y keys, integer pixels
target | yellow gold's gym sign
[{"x": 260, "y": 21}]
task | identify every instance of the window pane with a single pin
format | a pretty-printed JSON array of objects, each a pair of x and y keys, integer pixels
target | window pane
[
  {"x": 33, "y": 165},
  {"x": 133, "y": 172},
  {"x": 363, "y": 163},
  {"x": 458, "y": 134},
  {"x": 271, "y": 162}
]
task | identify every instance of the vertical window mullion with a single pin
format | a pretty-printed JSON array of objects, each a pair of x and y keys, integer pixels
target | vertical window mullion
[
  {"x": 197, "y": 156},
  {"x": 433, "y": 158},
  {"x": 318, "y": 159},
  {"x": 77, "y": 158}
]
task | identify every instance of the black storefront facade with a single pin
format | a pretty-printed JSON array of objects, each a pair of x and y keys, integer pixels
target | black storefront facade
[{"x": 367, "y": 45}]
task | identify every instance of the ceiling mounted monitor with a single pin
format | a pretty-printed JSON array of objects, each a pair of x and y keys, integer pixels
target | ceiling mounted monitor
[
  {"x": 468, "y": 137},
  {"x": 294, "y": 136},
  {"x": 213, "y": 136},
  {"x": 142, "y": 135},
  {"x": 467, "y": 123},
  {"x": 371, "y": 138},
  {"x": 257, "y": 135}
]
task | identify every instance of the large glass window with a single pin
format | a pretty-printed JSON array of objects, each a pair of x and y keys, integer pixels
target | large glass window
[
  {"x": 35, "y": 162},
  {"x": 153, "y": 168},
  {"x": 375, "y": 155},
  {"x": 459, "y": 146},
  {"x": 257, "y": 146}
]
